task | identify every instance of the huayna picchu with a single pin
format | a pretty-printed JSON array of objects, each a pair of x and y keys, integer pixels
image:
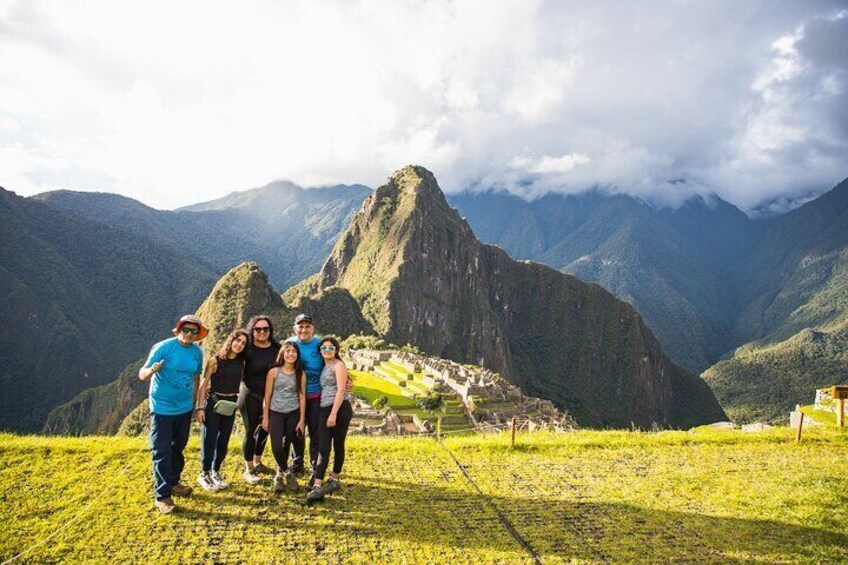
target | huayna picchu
[{"x": 421, "y": 276}]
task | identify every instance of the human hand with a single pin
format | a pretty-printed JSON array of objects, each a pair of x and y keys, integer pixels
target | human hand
[
  {"x": 200, "y": 415},
  {"x": 349, "y": 384},
  {"x": 265, "y": 423},
  {"x": 300, "y": 427},
  {"x": 157, "y": 366},
  {"x": 331, "y": 422}
]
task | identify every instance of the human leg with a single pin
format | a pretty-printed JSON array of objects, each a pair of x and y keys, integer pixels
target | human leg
[
  {"x": 161, "y": 437},
  {"x": 276, "y": 431},
  {"x": 209, "y": 436},
  {"x": 182, "y": 427},
  {"x": 225, "y": 430},
  {"x": 343, "y": 418}
]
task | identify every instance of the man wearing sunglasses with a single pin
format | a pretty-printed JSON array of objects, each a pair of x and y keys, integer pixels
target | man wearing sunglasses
[
  {"x": 313, "y": 364},
  {"x": 173, "y": 369}
]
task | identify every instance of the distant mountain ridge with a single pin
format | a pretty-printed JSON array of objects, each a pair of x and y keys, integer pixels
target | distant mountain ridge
[
  {"x": 286, "y": 227},
  {"x": 667, "y": 263},
  {"x": 707, "y": 279},
  {"x": 786, "y": 274}
]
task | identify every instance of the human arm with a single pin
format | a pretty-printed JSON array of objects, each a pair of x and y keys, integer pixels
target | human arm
[
  {"x": 341, "y": 380},
  {"x": 155, "y": 362},
  {"x": 200, "y": 397},
  {"x": 269, "y": 390},
  {"x": 301, "y": 399},
  {"x": 145, "y": 373}
]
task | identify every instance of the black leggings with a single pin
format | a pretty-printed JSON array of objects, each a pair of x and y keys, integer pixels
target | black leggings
[
  {"x": 313, "y": 417},
  {"x": 250, "y": 408},
  {"x": 335, "y": 435},
  {"x": 282, "y": 430}
]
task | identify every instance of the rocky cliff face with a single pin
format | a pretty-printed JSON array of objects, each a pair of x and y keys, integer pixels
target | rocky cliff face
[{"x": 422, "y": 277}]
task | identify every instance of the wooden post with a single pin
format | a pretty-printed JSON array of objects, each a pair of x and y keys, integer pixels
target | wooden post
[
  {"x": 800, "y": 427},
  {"x": 840, "y": 412},
  {"x": 513, "y": 432}
]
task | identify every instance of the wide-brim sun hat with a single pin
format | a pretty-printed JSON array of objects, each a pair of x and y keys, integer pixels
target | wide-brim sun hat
[{"x": 191, "y": 319}]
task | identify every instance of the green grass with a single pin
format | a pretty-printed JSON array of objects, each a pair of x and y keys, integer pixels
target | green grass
[
  {"x": 820, "y": 416},
  {"x": 400, "y": 375},
  {"x": 369, "y": 387},
  {"x": 582, "y": 497}
]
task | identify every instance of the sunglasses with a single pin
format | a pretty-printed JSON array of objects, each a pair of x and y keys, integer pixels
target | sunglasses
[
  {"x": 329, "y": 348},
  {"x": 193, "y": 331},
  {"x": 262, "y": 329}
]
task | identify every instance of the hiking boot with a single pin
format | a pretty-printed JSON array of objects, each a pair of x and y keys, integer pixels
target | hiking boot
[
  {"x": 205, "y": 481},
  {"x": 331, "y": 485},
  {"x": 219, "y": 480},
  {"x": 291, "y": 482},
  {"x": 251, "y": 478},
  {"x": 315, "y": 494},
  {"x": 180, "y": 489},
  {"x": 298, "y": 471},
  {"x": 165, "y": 506},
  {"x": 278, "y": 483},
  {"x": 260, "y": 468}
]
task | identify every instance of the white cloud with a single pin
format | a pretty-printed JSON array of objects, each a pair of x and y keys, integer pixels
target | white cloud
[{"x": 173, "y": 103}]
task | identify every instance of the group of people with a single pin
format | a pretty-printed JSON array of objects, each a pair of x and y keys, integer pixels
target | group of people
[{"x": 282, "y": 391}]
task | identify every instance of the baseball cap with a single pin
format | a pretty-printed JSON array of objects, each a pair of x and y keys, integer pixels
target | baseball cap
[{"x": 303, "y": 318}]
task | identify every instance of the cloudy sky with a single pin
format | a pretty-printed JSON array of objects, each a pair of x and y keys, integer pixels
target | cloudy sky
[{"x": 178, "y": 102}]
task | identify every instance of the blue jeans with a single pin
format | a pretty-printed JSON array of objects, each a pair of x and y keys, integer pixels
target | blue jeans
[
  {"x": 168, "y": 438},
  {"x": 215, "y": 436}
]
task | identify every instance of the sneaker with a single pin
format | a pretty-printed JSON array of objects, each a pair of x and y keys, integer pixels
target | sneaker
[
  {"x": 260, "y": 468},
  {"x": 331, "y": 485},
  {"x": 291, "y": 482},
  {"x": 205, "y": 481},
  {"x": 165, "y": 506},
  {"x": 180, "y": 489},
  {"x": 316, "y": 494},
  {"x": 278, "y": 483},
  {"x": 251, "y": 478},
  {"x": 219, "y": 480}
]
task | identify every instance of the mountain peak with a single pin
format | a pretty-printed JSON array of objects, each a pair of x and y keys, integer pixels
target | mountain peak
[
  {"x": 421, "y": 276},
  {"x": 408, "y": 188},
  {"x": 243, "y": 292}
]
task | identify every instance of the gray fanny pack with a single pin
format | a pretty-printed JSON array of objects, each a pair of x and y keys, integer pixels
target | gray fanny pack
[{"x": 223, "y": 406}]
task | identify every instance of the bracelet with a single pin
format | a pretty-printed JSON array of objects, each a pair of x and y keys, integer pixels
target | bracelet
[{"x": 196, "y": 408}]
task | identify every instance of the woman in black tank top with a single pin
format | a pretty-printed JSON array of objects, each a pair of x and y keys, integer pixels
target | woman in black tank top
[
  {"x": 222, "y": 378},
  {"x": 260, "y": 355}
]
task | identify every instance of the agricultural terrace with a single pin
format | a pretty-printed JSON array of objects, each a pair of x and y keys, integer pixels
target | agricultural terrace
[
  {"x": 401, "y": 388},
  {"x": 579, "y": 497}
]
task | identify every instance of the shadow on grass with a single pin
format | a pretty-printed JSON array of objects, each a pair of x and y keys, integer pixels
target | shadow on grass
[{"x": 449, "y": 516}]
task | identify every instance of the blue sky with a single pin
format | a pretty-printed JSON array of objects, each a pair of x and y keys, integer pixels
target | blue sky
[{"x": 175, "y": 103}]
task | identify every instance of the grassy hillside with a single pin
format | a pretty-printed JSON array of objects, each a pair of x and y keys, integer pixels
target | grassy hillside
[
  {"x": 80, "y": 300},
  {"x": 100, "y": 410},
  {"x": 583, "y": 497},
  {"x": 766, "y": 381},
  {"x": 667, "y": 263}
]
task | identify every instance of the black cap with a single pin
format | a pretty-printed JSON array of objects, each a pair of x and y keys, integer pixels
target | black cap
[{"x": 303, "y": 318}]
